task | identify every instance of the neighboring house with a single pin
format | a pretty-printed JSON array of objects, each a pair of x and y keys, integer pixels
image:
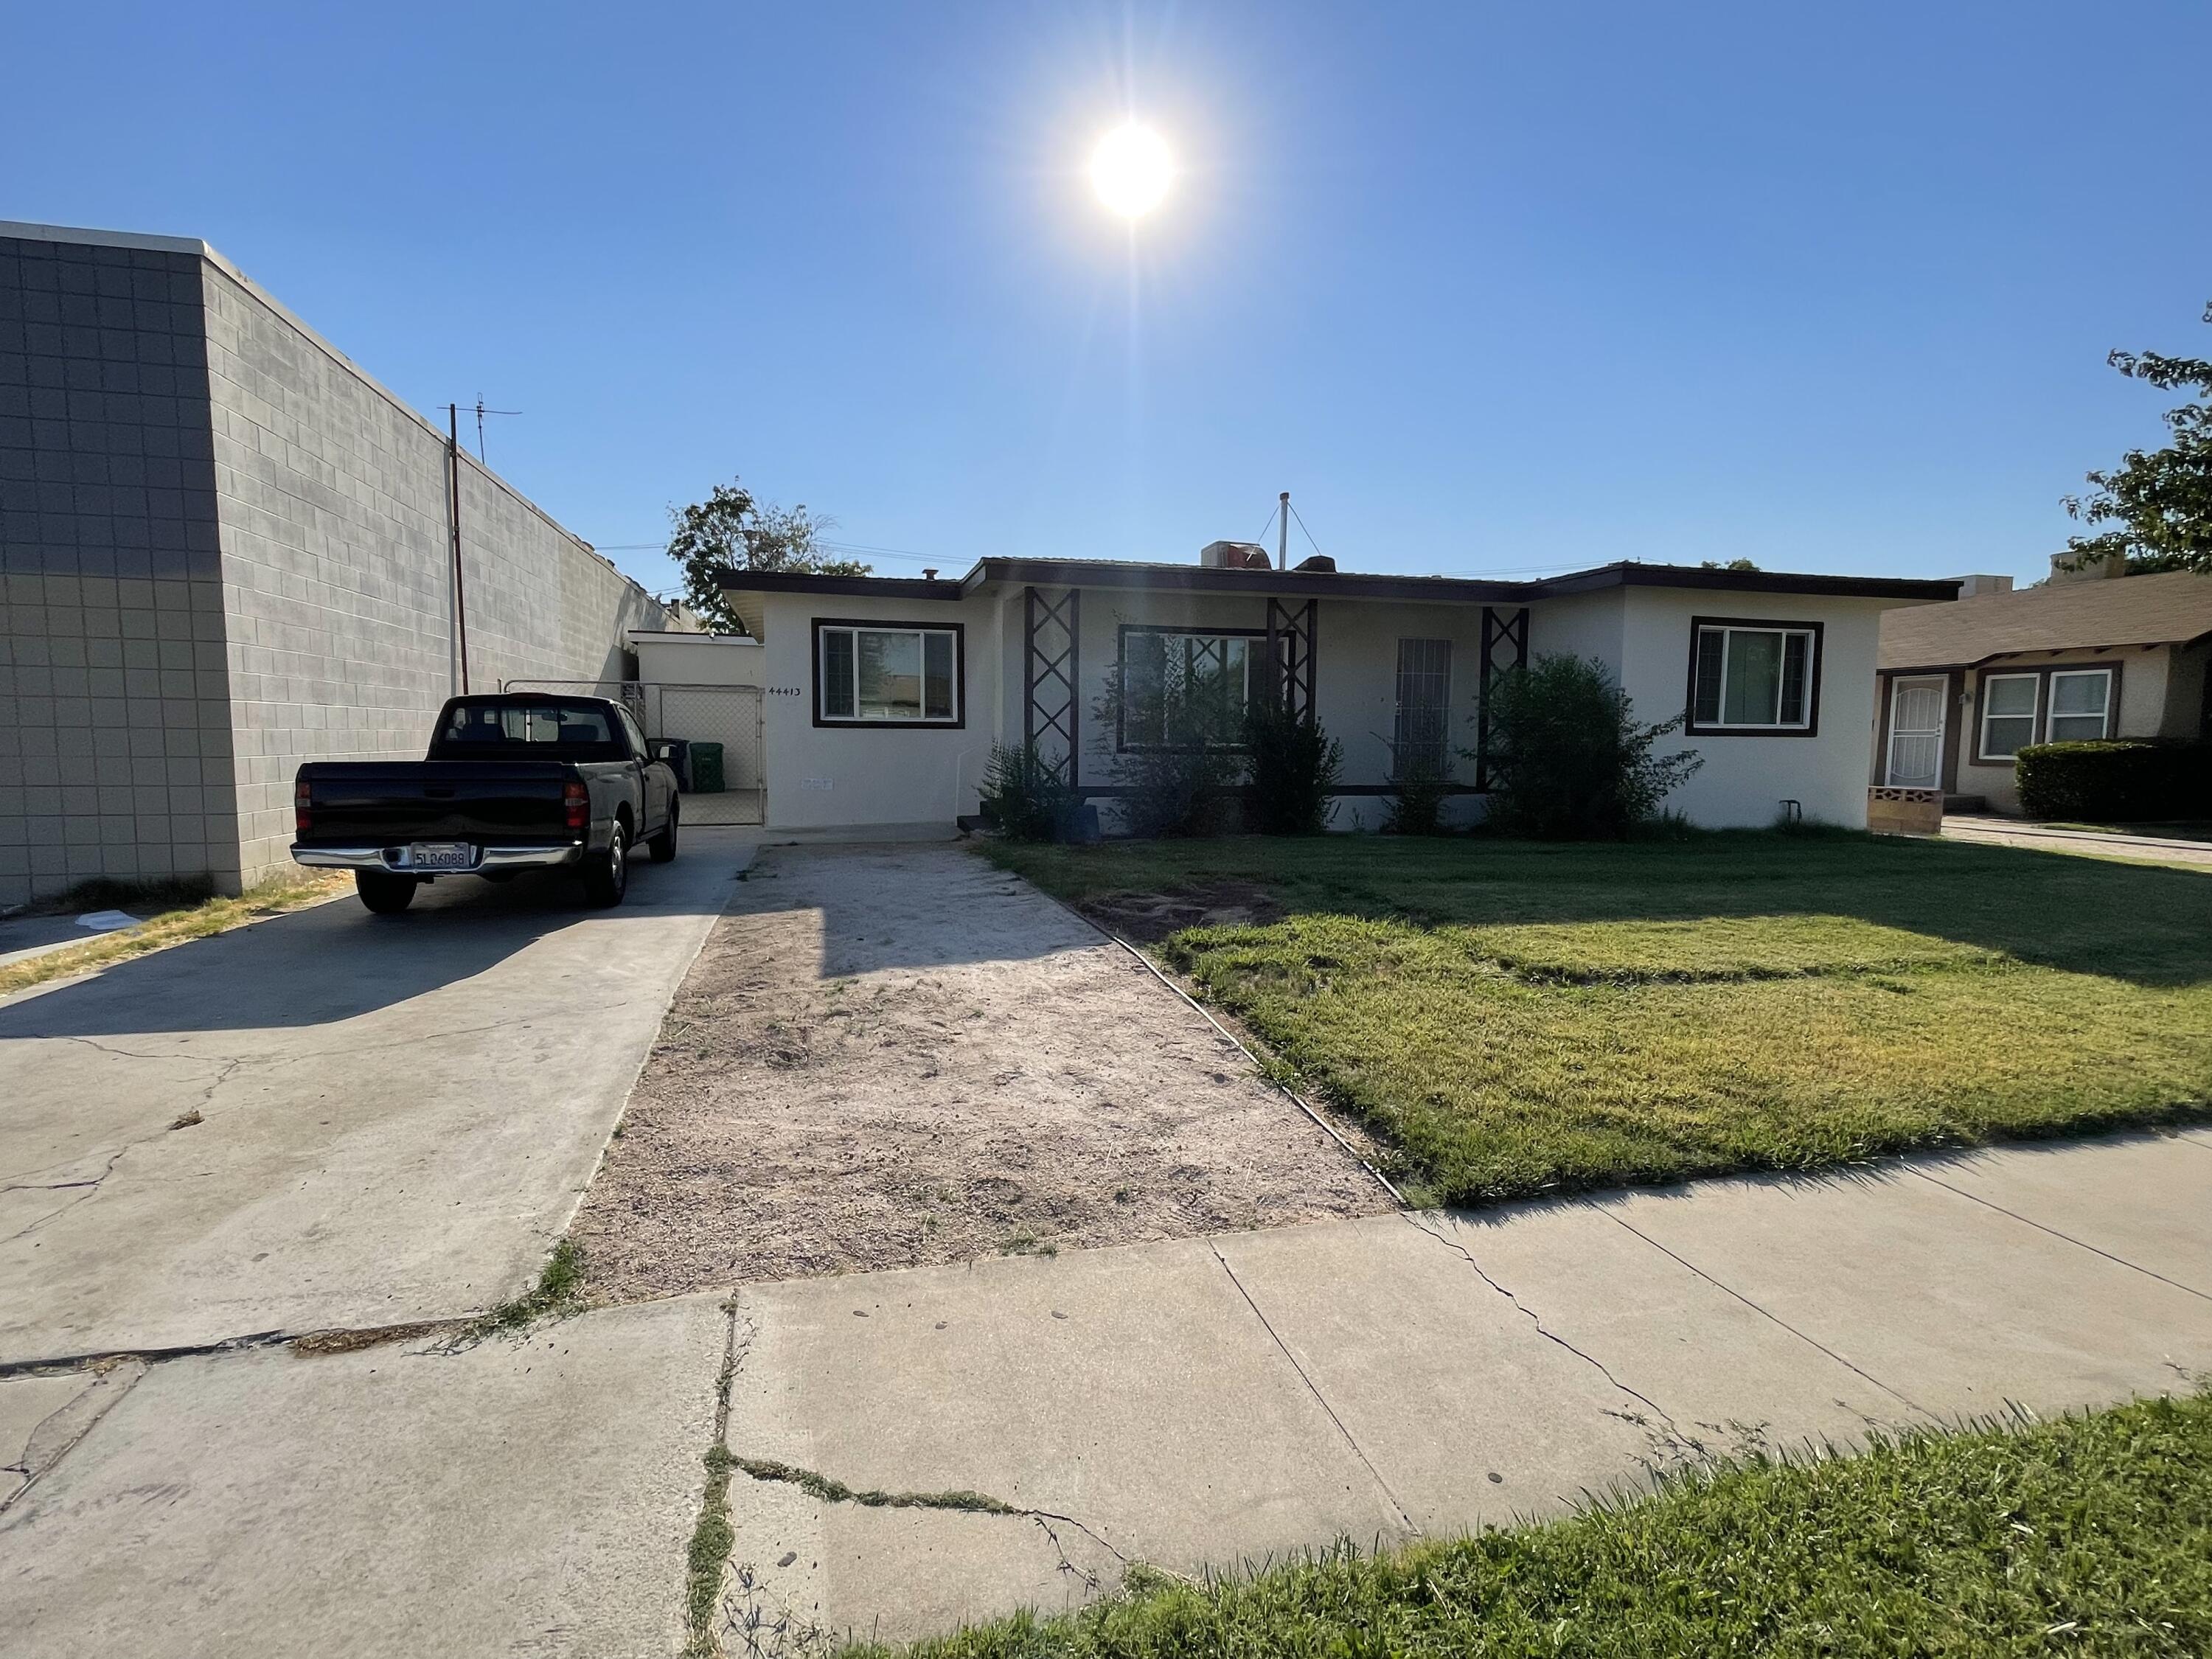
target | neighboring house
[
  {"x": 1965, "y": 687},
  {"x": 884, "y": 695},
  {"x": 225, "y": 550}
]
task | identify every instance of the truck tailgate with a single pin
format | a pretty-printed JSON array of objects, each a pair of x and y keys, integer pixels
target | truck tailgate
[{"x": 384, "y": 802}]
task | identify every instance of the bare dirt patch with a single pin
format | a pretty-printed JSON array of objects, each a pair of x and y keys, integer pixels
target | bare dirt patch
[
  {"x": 886, "y": 1057},
  {"x": 1148, "y": 918}
]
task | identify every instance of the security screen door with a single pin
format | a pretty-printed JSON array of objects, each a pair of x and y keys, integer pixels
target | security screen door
[{"x": 1916, "y": 732}]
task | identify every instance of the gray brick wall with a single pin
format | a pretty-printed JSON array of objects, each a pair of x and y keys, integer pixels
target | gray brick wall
[
  {"x": 115, "y": 756},
  {"x": 223, "y": 551}
]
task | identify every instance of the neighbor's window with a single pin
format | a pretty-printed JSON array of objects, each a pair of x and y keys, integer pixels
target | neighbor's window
[
  {"x": 907, "y": 676},
  {"x": 1424, "y": 704},
  {"x": 1184, "y": 690},
  {"x": 1752, "y": 677},
  {"x": 2080, "y": 704},
  {"x": 2008, "y": 714}
]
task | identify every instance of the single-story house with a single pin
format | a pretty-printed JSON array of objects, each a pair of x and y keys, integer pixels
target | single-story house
[
  {"x": 884, "y": 695},
  {"x": 1963, "y": 687}
]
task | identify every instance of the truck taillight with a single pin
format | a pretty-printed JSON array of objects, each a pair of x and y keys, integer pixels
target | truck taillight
[
  {"x": 578, "y": 801},
  {"x": 303, "y": 816}
]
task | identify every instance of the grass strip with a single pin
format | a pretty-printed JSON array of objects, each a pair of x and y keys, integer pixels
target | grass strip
[
  {"x": 2087, "y": 1535},
  {"x": 828, "y": 1490},
  {"x": 1513, "y": 1019},
  {"x": 197, "y": 919}
]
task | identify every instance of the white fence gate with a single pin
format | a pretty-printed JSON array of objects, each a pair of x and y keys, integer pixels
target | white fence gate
[{"x": 715, "y": 722}]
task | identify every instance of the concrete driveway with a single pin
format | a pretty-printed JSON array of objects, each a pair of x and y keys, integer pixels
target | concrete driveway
[{"x": 328, "y": 1118}]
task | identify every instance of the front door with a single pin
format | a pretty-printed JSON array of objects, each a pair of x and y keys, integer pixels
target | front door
[{"x": 1916, "y": 732}]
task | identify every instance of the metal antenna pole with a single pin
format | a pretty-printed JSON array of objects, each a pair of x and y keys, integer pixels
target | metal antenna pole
[
  {"x": 453, "y": 520},
  {"x": 1282, "y": 535}
]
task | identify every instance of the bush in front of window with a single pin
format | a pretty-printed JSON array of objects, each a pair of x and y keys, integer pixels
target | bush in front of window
[
  {"x": 1424, "y": 785},
  {"x": 1569, "y": 761},
  {"x": 1294, "y": 766},
  {"x": 1171, "y": 720},
  {"x": 1022, "y": 797},
  {"x": 2116, "y": 780}
]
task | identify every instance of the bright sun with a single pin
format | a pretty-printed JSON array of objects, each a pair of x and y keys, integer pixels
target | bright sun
[{"x": 1130, "y": 170}]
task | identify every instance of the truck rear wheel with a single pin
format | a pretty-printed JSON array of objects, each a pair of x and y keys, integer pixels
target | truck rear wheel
[
  {"x": 606, "y": 876},
  {"x": 385, "y": 893},
  {"x": 663, "y": 846}
]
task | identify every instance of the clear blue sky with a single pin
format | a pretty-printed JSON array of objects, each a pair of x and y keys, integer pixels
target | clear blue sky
[{"x": 1486, "y": 286}]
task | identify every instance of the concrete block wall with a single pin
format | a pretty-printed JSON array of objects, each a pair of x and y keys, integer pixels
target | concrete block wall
[
  {"x": 115, "y": 748},
  {"x": 337, "y": 571},
  {"x": 224, "y": 551}
]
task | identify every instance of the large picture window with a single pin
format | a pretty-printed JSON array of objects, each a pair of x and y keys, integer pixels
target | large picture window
[
  {"x": 1754, "y": 676},
  {"x": 886, "y": 674},
  {"x": 1418, "y": 735},
  {"x": 1185, "y": 688}
]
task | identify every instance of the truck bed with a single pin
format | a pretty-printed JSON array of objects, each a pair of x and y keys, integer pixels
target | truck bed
[{"x": 388, "y": 802}]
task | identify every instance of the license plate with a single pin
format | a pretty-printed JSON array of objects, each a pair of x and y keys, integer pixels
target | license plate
[{"x": 441, "y": 855}]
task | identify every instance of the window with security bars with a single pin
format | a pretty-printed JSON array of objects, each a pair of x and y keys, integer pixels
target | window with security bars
[
  {"x": 1752, "y": 679},
  {"x": 1418, "y": 736}
]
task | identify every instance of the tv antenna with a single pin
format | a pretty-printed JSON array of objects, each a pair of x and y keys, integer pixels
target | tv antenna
[{"x": 481, "y": 412}]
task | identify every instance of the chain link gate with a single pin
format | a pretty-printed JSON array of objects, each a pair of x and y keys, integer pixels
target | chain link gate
[{"x": 706, "y": 719}]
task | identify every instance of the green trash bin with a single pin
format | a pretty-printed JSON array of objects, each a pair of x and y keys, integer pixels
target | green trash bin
[{"x": 706, "y": 769}]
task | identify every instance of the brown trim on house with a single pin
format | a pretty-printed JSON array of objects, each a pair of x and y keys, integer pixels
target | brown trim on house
[
  {"x": 1954, "y": 699},
  {"x": 959, "y": 721},
  {"x": 2041, "y": 675},
  {"x": 1691, "y": 728},
  {"x": 1313, "y": 584}
]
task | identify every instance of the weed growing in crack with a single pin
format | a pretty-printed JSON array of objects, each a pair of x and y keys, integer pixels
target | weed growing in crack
[
  {"x": 559, "y": 1292},
  {"x": 712, "y": 1540},
  {"x": 836, "y": 1491}
]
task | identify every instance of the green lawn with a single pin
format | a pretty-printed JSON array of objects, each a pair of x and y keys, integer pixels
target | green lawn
[
  {"x": 2092, "y": 1536},
  {"x": 1512, "y": 1019}
]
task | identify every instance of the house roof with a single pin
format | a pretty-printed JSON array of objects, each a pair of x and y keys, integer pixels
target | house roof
[
  {"x": 2170, "y": 608},
  {"x": 1193, "y": 578}
]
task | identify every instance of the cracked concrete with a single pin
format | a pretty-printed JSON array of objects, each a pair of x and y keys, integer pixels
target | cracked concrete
[
  {"x": 1201, "y": 1403},
  {"x": 527, "y": 1495},
  {"x": 395, "y": 1116}
]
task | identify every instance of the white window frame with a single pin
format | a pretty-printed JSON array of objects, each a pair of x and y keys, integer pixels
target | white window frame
[
  {"x": 1728, "y": 627},
  {"x": 920, "y": 633},
  {"x": 1982, "y": 716},
  {"x": 2051, "y": 713}
]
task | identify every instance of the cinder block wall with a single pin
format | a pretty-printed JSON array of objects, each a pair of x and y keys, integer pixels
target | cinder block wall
[
  {"x": 115, "y": 750},
  {"x": 249, "y": 536}
]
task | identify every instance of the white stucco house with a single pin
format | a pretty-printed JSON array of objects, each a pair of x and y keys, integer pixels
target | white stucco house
[{"x": 883, "y": 695}]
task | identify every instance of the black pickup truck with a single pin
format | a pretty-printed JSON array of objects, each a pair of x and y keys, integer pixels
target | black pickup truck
[{"x": 518, "y": 781}]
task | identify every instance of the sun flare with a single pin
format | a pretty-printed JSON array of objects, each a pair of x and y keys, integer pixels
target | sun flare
[{"x": 1131, "y": 170}]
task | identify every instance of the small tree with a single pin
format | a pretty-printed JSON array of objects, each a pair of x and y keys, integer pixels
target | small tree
[
  {"x": 1569, "y": 760},
  {"x": 2161, "y": 500},
  {"x": 730, "y": 530},
  {"x": 1294, "y": 766}
]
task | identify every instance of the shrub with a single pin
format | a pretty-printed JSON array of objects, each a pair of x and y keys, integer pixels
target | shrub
[
  {"x": 1568, "y": 760},
  {"x": 1294, "y": 766},
  {"x": 2120, "y": 779},
  {"x": 1022, "y": 797},
  {"x": 1175, "y": 786},
  {"x": 1417, "y": 808}
]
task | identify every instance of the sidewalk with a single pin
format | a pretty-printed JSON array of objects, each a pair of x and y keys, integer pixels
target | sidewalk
[
  {"x": 1994, "y": 831},
  {"x": 1012, "y": 1431}
]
